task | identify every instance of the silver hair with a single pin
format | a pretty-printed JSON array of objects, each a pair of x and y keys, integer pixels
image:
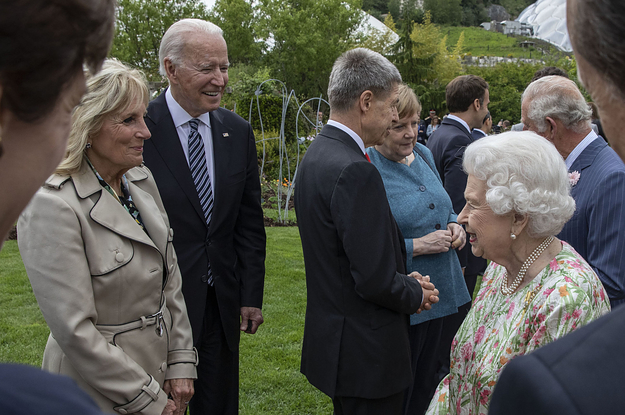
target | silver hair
[
  {"x": 524, "y": 173},
  {"x": 356, "y": 71},
  {"x": 174, "y": 40},
  {"x": 559, "y": 98}
]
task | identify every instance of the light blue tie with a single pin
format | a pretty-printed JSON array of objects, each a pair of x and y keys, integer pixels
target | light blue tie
[{"x": 201, "y": 178}]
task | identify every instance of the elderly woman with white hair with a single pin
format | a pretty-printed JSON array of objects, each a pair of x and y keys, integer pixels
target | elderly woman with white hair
[
  {"x": 536, "y": 288},
  {"x": 97, "y": 247}
]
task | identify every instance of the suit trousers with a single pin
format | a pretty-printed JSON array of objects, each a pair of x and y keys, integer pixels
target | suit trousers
[
  {"x": 424, "y": 348},
  {"x": 217, "y": 385},
  {"x": 390, "y": 405}
]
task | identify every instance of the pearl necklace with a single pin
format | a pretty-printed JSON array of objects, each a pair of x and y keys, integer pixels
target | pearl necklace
[{"x": 509, "y": 289}]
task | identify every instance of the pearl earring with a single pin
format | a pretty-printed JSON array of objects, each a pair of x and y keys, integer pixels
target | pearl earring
[{"x": 513, "y": 236}]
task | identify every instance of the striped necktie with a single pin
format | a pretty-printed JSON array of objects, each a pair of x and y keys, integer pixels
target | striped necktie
[{"x": 201, "y": 178}]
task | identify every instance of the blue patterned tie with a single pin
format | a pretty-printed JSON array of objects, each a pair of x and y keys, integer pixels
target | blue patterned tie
[{"x": 199, "y": 171}]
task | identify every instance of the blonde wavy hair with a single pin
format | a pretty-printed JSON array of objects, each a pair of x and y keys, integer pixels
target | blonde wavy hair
[{"x": 110, "y": 92}]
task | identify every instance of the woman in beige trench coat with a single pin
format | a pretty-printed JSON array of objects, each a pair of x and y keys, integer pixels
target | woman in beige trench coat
[{"x": 97, "y": 247}]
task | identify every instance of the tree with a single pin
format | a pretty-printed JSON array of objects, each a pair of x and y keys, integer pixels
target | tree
[
  {"x": 141, "y": 25},
  {"x": 448, "y": 12},
  {"x": 307, "y": 37},
  {"x": 378, "y": 41},
  {"x": 237, "y": 19}
]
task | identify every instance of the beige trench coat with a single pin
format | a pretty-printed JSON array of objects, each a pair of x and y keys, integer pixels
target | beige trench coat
[{"x": 100, "y": 282}]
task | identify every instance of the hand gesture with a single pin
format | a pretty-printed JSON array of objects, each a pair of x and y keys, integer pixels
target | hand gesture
[
  {"x": 432, "y": 243},
  {"x": 458, "y": 235},
  {"x": 430, "y": 293}
]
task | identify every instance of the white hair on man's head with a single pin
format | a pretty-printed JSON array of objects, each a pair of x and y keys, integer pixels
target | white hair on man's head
[
  {"x": 524, "y": 173},
  {"x": 559, "y": 98},
  {"x": 174, "y": 40},
  {"x": 356, "y": 71}
]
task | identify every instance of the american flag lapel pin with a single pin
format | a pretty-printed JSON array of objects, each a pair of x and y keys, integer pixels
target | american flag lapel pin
[{"x": 226, "y": 135}]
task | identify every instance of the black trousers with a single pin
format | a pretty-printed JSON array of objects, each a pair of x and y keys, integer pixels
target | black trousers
[
  {"x": 390, "y": 405},
  {"x": 424, "y": 344},
  {"x": 217, "y": 385}
]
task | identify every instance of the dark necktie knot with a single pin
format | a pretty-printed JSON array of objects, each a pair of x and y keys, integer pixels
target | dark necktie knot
[{"x": 194, "y": 123}]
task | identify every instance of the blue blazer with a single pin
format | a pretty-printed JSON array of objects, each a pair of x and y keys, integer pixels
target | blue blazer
[
  {"x": 447, "y": 145},
  {"x": 596, "y": 228}
]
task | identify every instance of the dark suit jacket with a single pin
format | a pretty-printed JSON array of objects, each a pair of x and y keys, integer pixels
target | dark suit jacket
[
  {"x": 447, "y": 144},
  {"x": 27, "y": 390},
  {"x": 235, "y": 242},
  {"x": 476, "y": 134},
  {"x": 580, "y": 374},
  {"x": 596, "y": 228},
  {"x": 356, "y": 331}
]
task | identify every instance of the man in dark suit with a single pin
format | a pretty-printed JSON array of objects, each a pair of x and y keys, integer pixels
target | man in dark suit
[
  {"x": 204, "y": 161},
  {"x": 582, "y": 373},
  {"x": 485, "y": 129},
  {"x": 554, "y": 108},
  {"x": 356, "y": 347},
  {"x": 467, "y": 100}
]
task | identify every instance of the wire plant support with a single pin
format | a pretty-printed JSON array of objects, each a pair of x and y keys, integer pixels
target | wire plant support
[{"x": 286, "y": 170}]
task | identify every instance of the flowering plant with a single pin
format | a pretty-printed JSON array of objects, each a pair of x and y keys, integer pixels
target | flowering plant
[{"x": 574, "y": 177}]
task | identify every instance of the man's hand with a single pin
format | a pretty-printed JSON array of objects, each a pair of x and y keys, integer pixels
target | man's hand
[
  {"x": 251, "y": 318},
  {"x": 181, "y": 392},
  {"x": 430, "y": 293},
  {"x": 458, "y": 235}
]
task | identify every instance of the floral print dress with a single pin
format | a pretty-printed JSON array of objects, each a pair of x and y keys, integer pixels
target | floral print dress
[{"x": 564, "y": 296}]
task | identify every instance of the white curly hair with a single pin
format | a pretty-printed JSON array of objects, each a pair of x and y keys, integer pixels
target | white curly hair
[{"x": 524, "y": 173}]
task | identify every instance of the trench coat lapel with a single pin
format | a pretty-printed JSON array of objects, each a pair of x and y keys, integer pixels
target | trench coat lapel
[
  {"x": 107, "y": 211},
  {"x": 150, "y": 213}
]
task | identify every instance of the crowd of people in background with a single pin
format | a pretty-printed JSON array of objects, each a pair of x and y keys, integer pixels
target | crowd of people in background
[{"x": 145, "y": 248}]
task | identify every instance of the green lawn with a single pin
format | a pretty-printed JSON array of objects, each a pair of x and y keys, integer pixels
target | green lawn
[
  {"x": 270, "y": 378},
  {"x": 480, "y": 42}
]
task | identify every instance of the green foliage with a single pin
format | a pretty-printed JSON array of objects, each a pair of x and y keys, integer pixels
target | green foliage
[
  {"x": 514, "y": 7},
  {"x": 308, "y": 36},
  {"x": 269, "y": 145},
  {"x": 376, "y": 40},
  {"x": 507, "y": 81},
  {"x": 140, "y": 26},
  {"x": 444, "y": 11},
  {"x": 236, "y": 19}
]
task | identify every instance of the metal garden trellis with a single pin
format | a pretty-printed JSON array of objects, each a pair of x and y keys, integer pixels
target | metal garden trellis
[{"x": 282, "y": 148}]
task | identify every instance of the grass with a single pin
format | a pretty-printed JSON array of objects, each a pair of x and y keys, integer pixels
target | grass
[
  {"x": 480, "y": 42},
  {"x": 270, "y": 379}
]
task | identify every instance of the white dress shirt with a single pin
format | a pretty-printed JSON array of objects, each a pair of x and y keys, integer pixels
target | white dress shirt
[{"x": 181, "y": 120}]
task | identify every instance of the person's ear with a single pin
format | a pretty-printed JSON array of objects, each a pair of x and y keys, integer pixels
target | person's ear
[
  {"x": 170, "y": 70},
  {"x": 366, "y": 100},
  {"x": 476, "y": 104},
  {"x": 519, "y": 222},
  {"x": 552, "y": 128}
]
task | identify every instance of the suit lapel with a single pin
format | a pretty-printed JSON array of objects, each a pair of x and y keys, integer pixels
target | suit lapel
[
  {"x": 221, "y": 160},
  {"x": 107, "y": 211},
  {"x": 166, "y": 142},
  {"x": 584, "y": 160}
]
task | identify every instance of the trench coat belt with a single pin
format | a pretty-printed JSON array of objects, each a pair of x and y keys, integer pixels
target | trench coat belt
[{"x": 140, "y": 323}]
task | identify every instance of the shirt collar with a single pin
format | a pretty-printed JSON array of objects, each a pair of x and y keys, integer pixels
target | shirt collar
[
  {"x": 592, "y": 136},
  {"x": 179, "y": 115},
  {"x": 460, "y": 120},
  {"x": 350, "y": 132}
]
